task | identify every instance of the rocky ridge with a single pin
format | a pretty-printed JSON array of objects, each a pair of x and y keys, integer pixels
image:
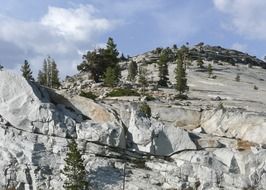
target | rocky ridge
[{"x": 204, "y": 142}]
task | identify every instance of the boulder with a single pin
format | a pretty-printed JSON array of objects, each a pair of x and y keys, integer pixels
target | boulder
[{"x": 151, "y": 136}]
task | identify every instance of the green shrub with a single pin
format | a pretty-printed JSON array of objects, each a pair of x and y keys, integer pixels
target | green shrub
[
  {"x": 145, "y": 110},
  {"x": 122, "y": 92},
  {"x": 149, "y": 97},
  {"x": 89, "y": 95},
  {"x": 181, "y": 97}
]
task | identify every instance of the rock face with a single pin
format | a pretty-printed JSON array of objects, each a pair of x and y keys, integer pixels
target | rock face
[
  {"x": 154, "y": 137},
  {"x": 191, "y": 144}
]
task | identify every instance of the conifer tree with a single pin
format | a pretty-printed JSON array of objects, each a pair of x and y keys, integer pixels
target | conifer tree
[
  {"x": 55, "y": 83},
  {"x": 42, "y": 75},
  {"x": 132, "y": 71},
  {"x": 48, "y": 76},
  {"x": 200, "y": 63},
  {"x": 142, "y": 78},
  {"x": 163, "y": 69},
  {"x": 1, "y": 67},
  {"x": 111, "y": 54},
  {"x": 181, "y": 80},
  {"x": 26, "y": 71},
  {"x": 74, "y": 169},
  {"x": 97, "y": 61},
  {"x": 110, "y": 77},
  {"x": 122, "y": 57},
  {"x": 209, "y": 70}
]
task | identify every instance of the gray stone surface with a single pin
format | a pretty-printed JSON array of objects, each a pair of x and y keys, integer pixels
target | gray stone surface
[{"x": 190, "y": 144}]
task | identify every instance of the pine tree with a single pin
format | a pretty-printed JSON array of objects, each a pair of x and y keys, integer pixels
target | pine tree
[
  {"x": 1, "y": 68},
  {"x": 111, "y": 54},
  {"x": 48, "y": 76},
  {"x": 209, "y": 70},
  {"x": 132, "y": 71},
  {"x": 123, "y": 58},
  {"x": 200, "y": 63},
  {"x": 142, "y": 78},
  {"x": 74, "y": 169},
  {"x": 110, "y": 77},
  {"x": 55, "y": 82},
  {"x": 97, "y": 61},
  {"x": 181, "y": 80},
  {"x": 183, "y": 52},
  {"x": 43, "y": 74},
  {"x": 26, "y": 71},
  {"x": 163, "y": 69}
]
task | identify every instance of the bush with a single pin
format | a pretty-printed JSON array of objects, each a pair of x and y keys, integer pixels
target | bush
[
  {"x": 145, "y": 110},
  {"x": 181, "y": 97},
  {"x": 89, "y": 95},
  {"x": 122, "y": 92},
  {"x": 149, "y": 97}
]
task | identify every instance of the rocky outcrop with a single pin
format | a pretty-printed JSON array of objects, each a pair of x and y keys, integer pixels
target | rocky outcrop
[
  {"x": 149, "y": 135},
  {"x": 235, "y": 123},
  {"x": 178, "y": 147}
]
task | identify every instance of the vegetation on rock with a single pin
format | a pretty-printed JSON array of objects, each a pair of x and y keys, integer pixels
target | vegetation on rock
[
  {"x": 145, "y": 110},
  {"x": 26, "y": 71},
  {"x": 122, "y": 92},
  {"x": 180, "y": 75},
  {"x": 209, "y": 70},
  {"x": 163, "y": 69},
  {"x": 74, "y": 169},
  {"x": 132, "y": 71},
  {"x": 49, "y": 75},
  {"x": 99, "y": 60},
  {"x": 89, "y": 95}
]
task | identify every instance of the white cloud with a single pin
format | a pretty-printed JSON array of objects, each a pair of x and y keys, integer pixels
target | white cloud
[
  {"x": 75, "y": 24},
  {"x": 239, "y": 47},
  {"x": 246, "y": 17},
  {"x": 61, "y": 33}
]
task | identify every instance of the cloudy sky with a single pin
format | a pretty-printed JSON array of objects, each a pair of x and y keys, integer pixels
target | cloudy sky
[{"x": 65, "y": 29}]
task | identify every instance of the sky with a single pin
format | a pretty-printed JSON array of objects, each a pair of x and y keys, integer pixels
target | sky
[{"x": 66, "y": 29}]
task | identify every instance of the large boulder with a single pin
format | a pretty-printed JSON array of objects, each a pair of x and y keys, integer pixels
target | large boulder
[
  {"x": 235, "y": 123},
  {"x": 150, "y": 135},
  {"x": 30, "y": 107},
  {"x": 27, "y": 107}
]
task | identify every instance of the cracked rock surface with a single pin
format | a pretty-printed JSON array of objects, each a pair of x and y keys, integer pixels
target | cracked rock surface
[{"x": 190, "y": 144}]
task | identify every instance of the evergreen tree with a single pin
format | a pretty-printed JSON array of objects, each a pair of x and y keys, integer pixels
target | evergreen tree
[
  {"x": 200, "y": 62},
  {"x": 209, "y": 70},
  {"x": 142, "y": 78},
  {"x": 163, "y": 69},
  {"x": 97, "y": 61},
  {"x": 181, "y": 80},
  {"x": 110, "y": 77},
  {"x": 183, "y": 52},
  {"x": 74, "y": 169},
  {"x": 43, "y": 74},
  {"x": 48, "y": 76},
  {"x": 1, "y": 67},
  {"x": 111, "y": 54},
  {"x": 123, "y": 58},
  {"x": 55, "y": 82},
  {"x": 26, "y": 71},
  {"x": 132, "y": 71}
]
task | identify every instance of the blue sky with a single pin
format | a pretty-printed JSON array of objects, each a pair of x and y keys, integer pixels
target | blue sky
[{"x": 34, "y": 29}]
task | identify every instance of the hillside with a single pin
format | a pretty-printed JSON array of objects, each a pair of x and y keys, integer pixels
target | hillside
[{"x": 213, "y": 140}]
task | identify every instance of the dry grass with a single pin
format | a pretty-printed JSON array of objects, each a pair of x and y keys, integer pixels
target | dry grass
[{"x": 244, "y": 145}]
